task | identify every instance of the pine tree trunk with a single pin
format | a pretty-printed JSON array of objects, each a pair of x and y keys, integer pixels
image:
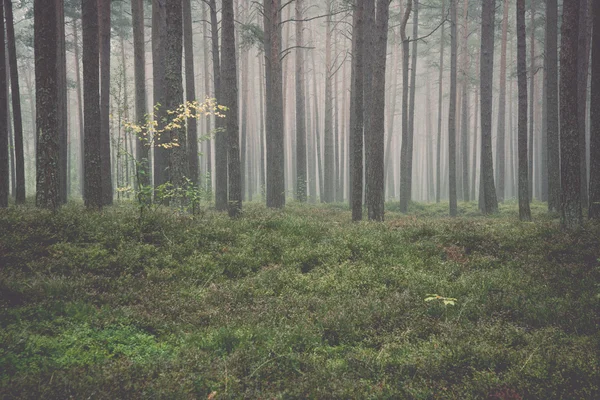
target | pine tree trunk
[
  {"x": 552, "y": 105},
  {"x": 4, "y": 123},
  {"x": 531, "y": 101},
  {"x": 452, "y": 113},
  {"x": 301, "y": 181},
  {"x": 139, "y": 54},
  {"x": 92, "y": 194},
  {"x": 490, "y": 202},
  {"x": 356, "y": 138},
  {"x": 501, "y": 130},
  {"x": 583, "y": 56},
  {"x": 105, "y": 27},
  {"x": 329, "y": 166},
  {"x": 571, "y": 209},
  {"x": 207, "y": 94},
  {"x": 524, "y": 210},
  {"x": 405, "y": 156},
  {"x": 464, "y": 124},
  {"x": 438, "y": 162},
  {"x": 594, "y": 209},
  {"x": 16, "y": 105},
  {"x": 190, "y": 92}
]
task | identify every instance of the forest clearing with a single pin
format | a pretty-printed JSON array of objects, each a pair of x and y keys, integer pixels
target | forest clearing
[{"x": 298, "y": 303}]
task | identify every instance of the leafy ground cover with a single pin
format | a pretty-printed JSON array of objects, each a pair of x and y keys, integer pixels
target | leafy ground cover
[{"x": 299, "y": 303}]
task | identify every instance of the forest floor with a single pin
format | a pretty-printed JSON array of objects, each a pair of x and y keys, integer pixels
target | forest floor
[{"x": 299, "y": 303}]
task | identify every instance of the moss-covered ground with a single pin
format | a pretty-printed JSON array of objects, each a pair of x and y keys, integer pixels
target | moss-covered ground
[{"x": 299, "y": 303}]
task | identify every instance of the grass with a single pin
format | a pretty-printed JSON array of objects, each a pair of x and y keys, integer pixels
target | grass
[{"x": 299, "y": 303}]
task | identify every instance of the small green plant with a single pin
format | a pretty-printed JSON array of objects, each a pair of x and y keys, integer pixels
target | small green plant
[{"x": 448, "y": 301}]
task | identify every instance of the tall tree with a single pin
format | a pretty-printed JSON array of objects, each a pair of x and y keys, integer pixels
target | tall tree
[
  {"x": 551, "y": 76},
  {"x": 220, "y": 138},
  {"x": 230, "y": 100},
  {"x": 274, "y": 105},
  {"x": 92, "y": 190},
  {"x": 62, "y": 116},
  {"x": 178, "y": 160},
  {"x": 501, "y": 128},
  {"x": 139, "y": 61},
  {"x": 104, "y": 7},
  {"x": 490, "y": 202},
  {"x": 159, "y": 59},
  {"x": 328, "y": 147},
  {"x": 583, "y": 63},
  {"x": 571, "y": 212},
  {"x": 524, "y": 210},
  {"x": 464, "y": 140},
  {"x": 190, "y": 92},
  {"x": 531, "y": 100},
  {"x": 438, "y": 169},
  {"x": 356, "y": 135},
  {"x": 406, "y": 147},
  {"x": 376, "y": 128},
  {"x": 16, "y": 104},
  {"x": 301, "y": 181},
  {"x": 4, "y": 148},
  {"x": 452, "y": 113},
  {"x": 594, "y": 200}
]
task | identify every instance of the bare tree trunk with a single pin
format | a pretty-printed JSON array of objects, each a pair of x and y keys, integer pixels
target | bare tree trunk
[
  {"x": 262, "y": 180},
  {"x": 300, "y": 109},
  {"x": 524, "y": 211},
  {"x": 207, "y": 93},
  {"x": 531, "y": 101},
  {"x": 92, "y": 194},
  {"x": 438, "y": 162},
  {"x": 583, "y": 56},
  {"x": 79, "y": 101},
  {"x": 501, "y": 131},
  {"x": 388, "y": 165},
  {"x": 4, "y": 122},
  {"x": 406, "y": 151},
  {"x": 105, "y": 27},
  {"x": 139, "y": 54},
  {"x": 452, "y": 113},
  {"x": 475, "y": 135},
  {"x": 552, "y": 105},
  {"x": 571, "y": 208},
  {"x": 190, "y": 92},
  {"x": 230, "y": 100},
  {"x": 274, "y": 102},
  {"x": 594, "y": 209},
  {"x": 328, "y": 167},
  {"x": 464, "y": 141},
  {"x": 490, "y": 203},
  {"x": 356, "y": 138},
  {"x": 16, "y": 105}
]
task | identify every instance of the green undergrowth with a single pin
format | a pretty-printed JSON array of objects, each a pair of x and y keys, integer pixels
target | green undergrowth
[{"x": 299, "y": 303}]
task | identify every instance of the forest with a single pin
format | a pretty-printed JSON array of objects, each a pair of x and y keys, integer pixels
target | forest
[{"x": 224, "y": 199}]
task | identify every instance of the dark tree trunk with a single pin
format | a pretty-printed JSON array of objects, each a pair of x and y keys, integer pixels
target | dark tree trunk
[
  {"x": 406, "y": 149},
  {"x": 376, "y": 128},
  {"x": 490, "y": 202},
  {"x": 524, "y": 210},
  {"x": 571, "y": 212},
  {"x": 501, "y": 131},
  {"x": 464, "y": 123},
  {"x": 61, "y": 70},
  {"x": 230, "y": 100},
  {"x": 531, "y": 102},
  {"x": 452, "y": 113},
  {"x": 274, "y": 105},
  {"x": 583, "y": 57},
  {"x": 104, "y": 15},
  {"x": 159, "y": 45},
  {"x": 178, "y": 160},
  {"x": 92, "y": 194},
  {"x": 4, "y": 123},
  {"x": 16, "y": 105},
  {"x": 139, "y": 54},
  {"x": 552, "y": 112},
  {"x": 356, "y": 138},
  {"x": 301, "y": 181},
  {"x": 190, "y": 92},
  {"x": 438, "y": 163},
  {"x": 594, "y": 209}
]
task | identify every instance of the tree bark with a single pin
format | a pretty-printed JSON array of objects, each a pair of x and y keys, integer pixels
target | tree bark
[
  {"x": 190, "y": 92},
  {"x": 406, "y": 150},
  {"x": 490, "y": 202},
  {"x": 583, "y": 56},
  {"x": 501, "y": 128},
  {"x": 552, "y": 105},
  {"x": 105, "y": 27},
  {"x": 79, "y": 102},
  {"x": 92, "y": 194},
  {"x": 438, "y": 162},
  {"x": 594, "y": 200},
  {"x": 16, "y": 105},
  {"x": 4, "y": 123},
  {"x": 230, "y": 100},
  {"x": 139, "y": 54},
  {"x": 524, "y": 210},
  {"x": 571, "y": 208},
  {"x": 356, "y": 138},
  {"x": 328, "y": 162},
  {"x": 452, "y": 114},
  {"x": 531, "y": 101},
  {"x": 301, "y": 181}
]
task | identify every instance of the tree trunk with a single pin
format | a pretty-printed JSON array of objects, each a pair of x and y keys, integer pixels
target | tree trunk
[
  {"x": 524, "y": 210},
  {"x": 438, "y": 162},
  {"x": 92, "y": 194},
  {"x": 464, "y": 124},
  {"x": 490, "y": 202},
  {"x": 594, "y": 200},
  {"x": 452, "y": 113},
  {"x": 139, "y": 54},
  {"x": 79, "y": 102},
  {"x": 230, "y": 100},
  {"x": 571, "y": 209},
  {"x": 104, "y": 20},
  {"x": 301, "y": 181},
  {"x": 583, "y": 57},
  {"x": 16, "y": 105},
  {"x": 501, "y": 129},
  {"x": 329, "y": 166},
  {"x": 406, "y": 151},
  {"x": 552, "y": 105},
  {"x": 356, "y": 138},
  {"x": 4, "y": 123},
  {"x": 274, "y": 103},
  {"x": 531, "y": 102},
  {"x": 207, "y": 94},
  {"x": 190, "y": 92}
]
